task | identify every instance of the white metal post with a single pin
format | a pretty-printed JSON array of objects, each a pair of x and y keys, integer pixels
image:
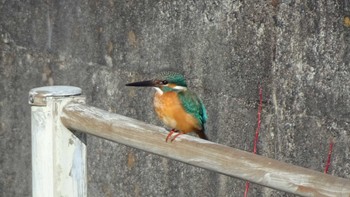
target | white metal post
[{"x": 58, "y": 155}]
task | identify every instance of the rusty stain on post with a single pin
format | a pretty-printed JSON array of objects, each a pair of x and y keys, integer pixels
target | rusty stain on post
[{"x": 218, "y": 158}]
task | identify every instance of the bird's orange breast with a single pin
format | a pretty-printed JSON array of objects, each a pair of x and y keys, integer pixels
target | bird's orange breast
[{"x": 169, "y": 109}]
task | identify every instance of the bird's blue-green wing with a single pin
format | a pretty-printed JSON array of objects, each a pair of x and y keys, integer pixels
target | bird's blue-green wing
[
  {"x": 193, "y": 105},
  {"x": 204, "y": 112}
]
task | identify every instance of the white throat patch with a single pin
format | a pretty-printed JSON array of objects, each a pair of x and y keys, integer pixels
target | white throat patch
[
  {"x": 159, "y": 91},
  {"x": 179, "y": 88}
]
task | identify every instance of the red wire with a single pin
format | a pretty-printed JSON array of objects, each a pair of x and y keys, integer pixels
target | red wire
[
  {"x": 256, "y": 138},
  {"x": 331, "y": 143},
  {"x": 259, "y": 121}
]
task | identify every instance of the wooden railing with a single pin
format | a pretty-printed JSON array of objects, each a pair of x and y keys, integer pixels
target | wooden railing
[{"x": 59, "y": 155}]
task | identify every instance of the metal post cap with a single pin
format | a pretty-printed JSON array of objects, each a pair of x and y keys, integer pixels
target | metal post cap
[{"x": 37, "y": 96}]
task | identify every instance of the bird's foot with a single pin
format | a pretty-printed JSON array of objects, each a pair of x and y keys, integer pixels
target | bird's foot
[
  {"x": 168, "y": 136},
  {"x": 171, "y": 133},
  {"x": 177, "y": 135}
]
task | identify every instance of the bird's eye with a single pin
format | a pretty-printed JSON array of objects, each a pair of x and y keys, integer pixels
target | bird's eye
[{"x": 164, "y": 82}]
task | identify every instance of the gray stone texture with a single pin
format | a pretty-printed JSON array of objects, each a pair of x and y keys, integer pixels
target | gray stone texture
[{"x": 298, "y": 50}]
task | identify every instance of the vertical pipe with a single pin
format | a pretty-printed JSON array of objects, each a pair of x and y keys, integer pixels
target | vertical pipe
[{"x": 58, "y": 154}]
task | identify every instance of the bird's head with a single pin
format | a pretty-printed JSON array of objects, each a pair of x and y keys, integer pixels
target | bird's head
[{"x": 164, "y": 82}]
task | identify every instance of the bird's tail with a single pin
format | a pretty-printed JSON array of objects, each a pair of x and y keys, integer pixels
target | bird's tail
[{"x": 202, "y": 134}]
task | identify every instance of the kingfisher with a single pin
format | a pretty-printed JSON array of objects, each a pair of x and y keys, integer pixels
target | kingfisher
[{"x": 176, "y": 106}]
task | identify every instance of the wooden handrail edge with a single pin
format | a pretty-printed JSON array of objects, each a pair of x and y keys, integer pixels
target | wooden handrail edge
[{"x": 201, "y": 153}]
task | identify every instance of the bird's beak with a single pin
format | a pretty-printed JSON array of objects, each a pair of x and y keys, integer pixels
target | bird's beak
[{"x": 150, "y": 83}]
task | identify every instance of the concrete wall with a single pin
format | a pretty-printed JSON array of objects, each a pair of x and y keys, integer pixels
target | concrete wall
[{"x": 298, "y": 50}]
